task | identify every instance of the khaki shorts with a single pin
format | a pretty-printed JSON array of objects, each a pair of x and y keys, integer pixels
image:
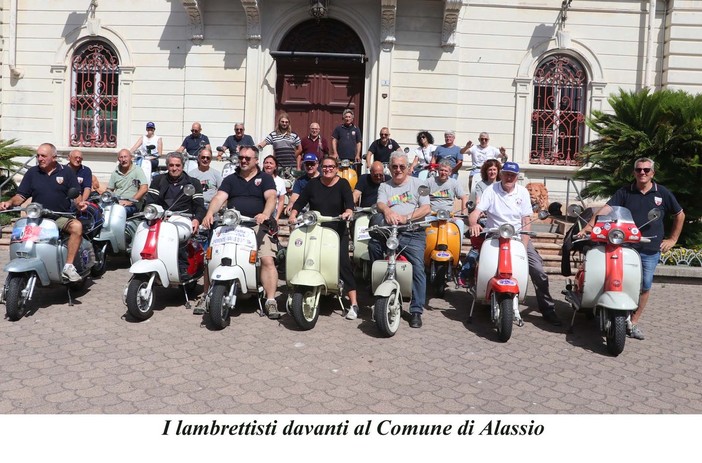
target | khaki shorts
[
  {"x": 62, "y": 222},
  {"x": 267, "y": 247}
]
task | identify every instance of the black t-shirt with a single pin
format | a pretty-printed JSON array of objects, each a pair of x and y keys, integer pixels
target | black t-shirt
[
  {"x": 382, "y": 152},
  {"x": 327, "y": 200},
  {"x": 247, "y": 196},
  {"x": 368, "y": 189}
]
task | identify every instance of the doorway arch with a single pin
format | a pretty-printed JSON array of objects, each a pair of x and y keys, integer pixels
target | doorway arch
[{"x": 318, "y": 86}]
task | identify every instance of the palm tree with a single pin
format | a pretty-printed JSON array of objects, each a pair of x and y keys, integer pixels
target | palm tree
[{"x": 8, "y": 154}]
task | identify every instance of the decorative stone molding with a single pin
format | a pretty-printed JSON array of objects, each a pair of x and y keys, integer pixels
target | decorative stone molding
[
  {"x": 253, "y": 20},
  {"x": 388, "y": 15},
  {"x": 194, "y": 10},
  {"x": 452, "y": 11}
]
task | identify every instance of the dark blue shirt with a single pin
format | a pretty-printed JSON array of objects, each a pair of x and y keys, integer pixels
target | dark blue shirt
[
  {"x": 658, "y": 197},
  {"x": 346, "y": 139},
  {"x": 49, "y": 190},
  {"x": 231, "y": 143},
  {"x": 368, "y": 189},
  {"x": 301, "y": 183},
  {"x": 85, "y": 177},
  {"x": 247, "y": 196},
  {"x": 192, "y": 145},
  {"x": 382, "y": 152}
]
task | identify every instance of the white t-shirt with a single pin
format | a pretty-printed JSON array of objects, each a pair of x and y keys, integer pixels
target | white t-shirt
[
  {"x": 424, "y": 154},
  {"x": 479, "y": 155},
  {"x": 279, "y": 186},
  {"x": 502, "y": 207}
]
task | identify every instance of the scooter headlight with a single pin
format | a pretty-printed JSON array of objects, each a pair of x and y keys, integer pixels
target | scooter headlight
[
  {"x": 443, "y": 215},
  {"x": 106, "y": 197},
  {"x": 34, "y": 211},
  {"x": 231, "y": 217},
  {"x": 392, "y": 243},
  {"x": 345, "y": 163},
  {"x": 309, "y": 219},
  {"x": 506, "y": 231},
  {"x": 616, "y": 237},
  {"x": 150, "y": 212}
]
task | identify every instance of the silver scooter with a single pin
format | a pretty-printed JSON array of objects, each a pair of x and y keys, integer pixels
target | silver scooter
[{"x": 117, "y": 230}]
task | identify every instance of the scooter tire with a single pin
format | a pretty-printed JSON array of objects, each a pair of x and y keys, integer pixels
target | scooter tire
[
  {"x": 616, "y": 335},
  {"x": 15, "y": 305},
  {"x": 505, "y": 318},
  {"x": 141, "y": 310},
  {"x": 388, "y": 322},
  {"x": 304, "y": 314},
  {"x": 219, "y": 312},
  {"x": 100, "y": 267}
]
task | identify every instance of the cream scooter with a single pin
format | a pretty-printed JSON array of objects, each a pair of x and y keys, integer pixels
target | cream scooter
[
  {"x": 360, "y": 256},
  {"x": 312, "y": 267}
]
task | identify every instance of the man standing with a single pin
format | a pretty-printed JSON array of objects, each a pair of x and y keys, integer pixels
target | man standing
[
  {"x": 195, "y": 141},
  {"x": 309, "y": 161},
  {"x": 83, "y": 173},
  {"x": 368, "y": 184},
  {"x": 381, "y": 148},
  {"x": 481, "y": 153},
  {"x": 400, "y": 202},
  {"x": 640, "y": 197},
  {"x": 346, "y": 139},
  {"x": 450, "y": 152},
  {"x": 285, "y": 142},
  {"x": 48, "y": 183},
  {"x": 128, "y": 182},
  {"x": 505, "y": 202},
  {"x": 210, "y": 179},
  {"x": 315, "y": 143},
  {"x": 252, "y": 192},
  {"x": 233, "y": 142}
]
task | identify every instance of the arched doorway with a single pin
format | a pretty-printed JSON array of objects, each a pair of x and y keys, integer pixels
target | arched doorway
[{"x": 328, "y": 78}]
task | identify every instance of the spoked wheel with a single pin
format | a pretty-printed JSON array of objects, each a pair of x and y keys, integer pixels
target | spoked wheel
[
  {"x": 219, "y": 311},
  {"x": 305, "y": 308},
  {"x": 98, "y": 270},
  {"x": 616, "y": 334},
  {"x": 15, "y": 303},
  {"x": 140, "y": 304},
  {"x": 387, "y": 313},
  {"x": 504, "y": 317}
]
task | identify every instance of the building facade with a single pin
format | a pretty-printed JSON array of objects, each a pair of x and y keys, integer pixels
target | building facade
[{"x": 90, "y": 74}]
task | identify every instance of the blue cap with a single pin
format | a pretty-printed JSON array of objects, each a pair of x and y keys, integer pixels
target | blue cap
[
  {"x": 150, "y": 125},
  {"x": 309, "y": 157},
  {"x": 510, "y": 167}
]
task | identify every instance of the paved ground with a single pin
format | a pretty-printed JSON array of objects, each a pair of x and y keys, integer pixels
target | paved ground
[{"x": 90, "y": 358}]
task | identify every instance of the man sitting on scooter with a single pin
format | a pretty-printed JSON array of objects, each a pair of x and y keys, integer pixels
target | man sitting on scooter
[
  {"x": 399, "y": 202},
  {"x": 368, "y": 184},
  {"x": 48, "y": 183},
  {"x": 507, "y": 202},
  {"x": 128, "y": 181},
  {"x": 252, "y": 192},
  {"x": 166, "y": 190},
  {"x": 310, "y": 163}
]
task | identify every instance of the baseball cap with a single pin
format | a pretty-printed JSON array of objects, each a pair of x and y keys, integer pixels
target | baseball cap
[
  {"x": 512, "y": 167},
  {"x": 150, "y": 125},
  {"x": 309, "y": 157}
]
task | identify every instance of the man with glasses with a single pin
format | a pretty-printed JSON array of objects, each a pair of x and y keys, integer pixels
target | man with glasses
[
  {"x": 311, "y": 165},
  {"x": 193, "y": 143},
  {"x": 506, "y": 202},
  {"x": 233, "y": 142},
  {"x": 210, "y": 178},
  {"x": 366, "y": 189},
  {"x": 400, "y": 203},
  {"x": 381, "y": 148},
  {"x": 251, "y": 191},
  {"x": 481, "y": 153},
  {"x": 315, "y": 143},
  {"x": 642, "y": 195},
  {"x": 450, "y": 152},
  {"x": 166, "y": 190}
]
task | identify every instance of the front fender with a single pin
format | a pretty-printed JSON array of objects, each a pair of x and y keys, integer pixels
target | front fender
[
  {"x": 146, "y": 266},
  {"x": 230, "y": 273},
  {"x": 386, "y": 288},
  {"x": 617, "y": 300},
  {"x": 308, "y": 278},
  {"x": 30, "y": 264}
]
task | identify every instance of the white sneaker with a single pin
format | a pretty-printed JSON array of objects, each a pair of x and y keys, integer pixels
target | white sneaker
[
  {"x": 352, "y": 314},
  {"x": 69, "y": 271}
]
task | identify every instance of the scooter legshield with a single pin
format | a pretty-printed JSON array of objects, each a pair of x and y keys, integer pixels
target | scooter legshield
[
  {"x": 403, "y": 275},
  {"x": 230, "y": 273},
  {"x": 147, "y": 266},
  {"x": 31, "y": 264},
  {"x": 615, "y": 300}
]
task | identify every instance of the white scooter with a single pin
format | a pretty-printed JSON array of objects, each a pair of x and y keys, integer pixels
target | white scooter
[
  {"x": 231, "y": 165},
  {"x": 312, "y": 267},
  {"x": 233, "y": 265},
  {"x": 143, "y": 158},
  {"x": 154, "y": 257}
]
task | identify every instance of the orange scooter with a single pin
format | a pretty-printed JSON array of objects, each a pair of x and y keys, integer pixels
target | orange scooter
[
  {"x": 443, "y": 249},
  {"x": 347, "y": 170}
]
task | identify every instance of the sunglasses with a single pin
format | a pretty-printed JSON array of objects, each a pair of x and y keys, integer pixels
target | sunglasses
[
  {"x": 384, "y": 134},
  {"x": 245, "y": 158},
  {"x": 238, "y": 130},
  {"x": 328, "y": 167},
  {"x": 398, "y": 166},
  {"x": 194, "y": 131},
  {"x": 422, "y": 136},
  {"x": 645, "y": 170},
  {"x": 483, "y": 139},
  {"x": 310, "y": 164}
]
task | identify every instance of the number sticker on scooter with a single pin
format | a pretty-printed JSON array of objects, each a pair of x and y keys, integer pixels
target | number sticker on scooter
[
  {"x": 443, "y": 254},
  {"x": 239, "y": 235},
  {"x": 31, "y": 233},
  {"x": 363, "y": 234},
  {"x": 507, "y": 282}
]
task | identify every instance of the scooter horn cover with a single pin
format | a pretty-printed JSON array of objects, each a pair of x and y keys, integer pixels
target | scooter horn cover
[{"x": 378, "y": 219}]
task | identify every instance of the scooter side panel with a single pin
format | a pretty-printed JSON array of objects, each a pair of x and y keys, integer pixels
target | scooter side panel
[
  {"x": 633, "y": 275},
  {"x": 308, "y": 278},
  {"x": 593, "y": 285},
  {"x": 616, "y": 300},
  {"x": 31, "y": 264},
  {"x": 360, "y": 247},
  {"x": 403, "y": 275},
  {"x": 329, "y": 265},
  {"x": 231, "y": 273},
  {"x": 113, "y": 230},
  {"x": 487, "y": 266}
]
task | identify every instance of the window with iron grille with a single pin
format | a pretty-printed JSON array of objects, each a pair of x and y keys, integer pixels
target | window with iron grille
[
  {"x": 558, "y": 116},
  {"x": 94, "y": 100}
]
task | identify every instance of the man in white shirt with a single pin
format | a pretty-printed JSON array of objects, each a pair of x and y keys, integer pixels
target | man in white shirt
[{"x": 481, "y": 153}]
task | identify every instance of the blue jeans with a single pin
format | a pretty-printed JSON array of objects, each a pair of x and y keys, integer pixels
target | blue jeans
[
  {"x": 648, "y": 266},
  {"x": 413, "y": 245}
]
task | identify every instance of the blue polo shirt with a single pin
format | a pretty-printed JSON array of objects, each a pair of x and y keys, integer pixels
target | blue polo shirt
[
  {"x": 85, "y": 177},
  {"x": 192, "y": 145},
  {"x": 49, "y": 190},
  {"x": 346, "y": 139},
  {"x": 247, "y": 196},
  {"x": 301, "y": 183},
  {"x": 658, "y": 197}
]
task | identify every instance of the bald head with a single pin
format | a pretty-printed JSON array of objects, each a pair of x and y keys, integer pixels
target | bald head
[{"x": 377, "y": 172}]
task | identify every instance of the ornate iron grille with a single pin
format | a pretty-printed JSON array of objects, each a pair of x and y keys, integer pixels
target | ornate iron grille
[
  {"x": 95, "y": 83},
  {"x": 557, "y": 121}
]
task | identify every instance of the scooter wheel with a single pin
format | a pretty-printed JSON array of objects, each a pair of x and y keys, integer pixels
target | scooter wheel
[
  {"x": 304, "y": 308},
  {"x": 219, "y": 311},
  {"x": 15, "y": 304},
  {"x": 387, "y": 315},
  {"x": 138, "y": 306}
]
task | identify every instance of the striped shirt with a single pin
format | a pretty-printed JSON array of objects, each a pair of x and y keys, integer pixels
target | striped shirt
[{"x": 284, "y": 147}]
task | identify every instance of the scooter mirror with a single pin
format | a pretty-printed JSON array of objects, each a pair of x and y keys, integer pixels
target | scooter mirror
[
  {"x": 188, "y": 190},
  {"x": 406, "y": 150},
  {"x": 471, "y": 206},
  {"x": 72, "y": 193},
  {"x": 654, "y": 214},
  {"x": 535, "y": 207},
  {"x": 574, "y": 210},
  {"x": 423, "y": 190}
]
